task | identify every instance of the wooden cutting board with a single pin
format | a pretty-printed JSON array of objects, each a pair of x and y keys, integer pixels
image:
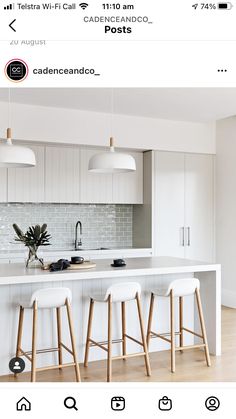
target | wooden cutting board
[
  {"x": 84, "y": 265},
  {"x": 75, "y": 266}
]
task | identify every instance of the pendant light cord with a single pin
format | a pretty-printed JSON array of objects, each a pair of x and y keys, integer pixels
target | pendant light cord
[{"x": 9, "y": 107}]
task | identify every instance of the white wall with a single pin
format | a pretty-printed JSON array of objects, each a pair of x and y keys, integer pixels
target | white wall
[
  {"x": 37, "y": 123},
  {"x": 226, "y": 206}
]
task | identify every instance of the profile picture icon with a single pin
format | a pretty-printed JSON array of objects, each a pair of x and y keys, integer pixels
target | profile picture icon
[
  {"x": 212, "y": 403},
  {"x": 17, "y": 365},
  {"x": 16, "y": 70}
]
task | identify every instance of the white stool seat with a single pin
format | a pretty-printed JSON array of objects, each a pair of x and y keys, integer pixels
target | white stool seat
[
  {"x": 48, "y": 298},
  {"x": 119, "y": 292},
  {"x": 179, "y": 287}
]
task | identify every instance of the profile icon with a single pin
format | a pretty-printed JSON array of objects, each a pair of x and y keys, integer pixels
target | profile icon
[
  {"x": 17, "y": 365},
  {"x": 16, "y": 70},
  {"x": 212, "y": 403}
]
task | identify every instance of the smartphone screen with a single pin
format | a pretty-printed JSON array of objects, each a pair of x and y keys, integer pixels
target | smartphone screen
[{"x": 117, "y": 218}]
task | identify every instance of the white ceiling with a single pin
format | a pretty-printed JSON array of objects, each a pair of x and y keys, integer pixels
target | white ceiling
[{"x": 187, "y": 104}]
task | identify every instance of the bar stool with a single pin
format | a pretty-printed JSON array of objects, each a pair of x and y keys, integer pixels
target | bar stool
[
  {"x": 179, "y": 288},
  {"x": 117, "y": 293},
  {"x": 48, "y": 298}
]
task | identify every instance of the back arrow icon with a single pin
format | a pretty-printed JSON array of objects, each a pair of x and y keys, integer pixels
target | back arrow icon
[{"x": 10, "y": 25}]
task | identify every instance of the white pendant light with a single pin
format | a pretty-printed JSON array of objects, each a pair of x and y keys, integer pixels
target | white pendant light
[
  {"x": 12, "y": 155},
  {"x": 112, "y": 161}
]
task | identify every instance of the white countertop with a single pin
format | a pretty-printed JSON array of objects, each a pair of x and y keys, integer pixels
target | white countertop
[{"x": 17, "y": 273}]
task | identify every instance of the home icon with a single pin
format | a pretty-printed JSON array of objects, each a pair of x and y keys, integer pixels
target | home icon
[{"x": 23, "y": 404}]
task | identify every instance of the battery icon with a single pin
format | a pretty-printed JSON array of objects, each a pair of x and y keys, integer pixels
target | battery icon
[{"x": 225, "y": 6}]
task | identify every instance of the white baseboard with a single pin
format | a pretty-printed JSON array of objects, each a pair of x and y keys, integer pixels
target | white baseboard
[{"x": 229, "y": 298}]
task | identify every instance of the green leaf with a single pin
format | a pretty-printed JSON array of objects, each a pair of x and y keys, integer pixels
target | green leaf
[
  {"x": 43, "y": 228},
  {"x": 18, "y": 230}
]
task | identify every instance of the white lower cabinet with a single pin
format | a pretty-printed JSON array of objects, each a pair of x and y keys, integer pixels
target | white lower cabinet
[{"x": 184, "y": 205}]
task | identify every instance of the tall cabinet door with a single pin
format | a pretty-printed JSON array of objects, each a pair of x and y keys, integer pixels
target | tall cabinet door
[
  {"x": 169, "y": 204},
  {"x": 199, "y": 207},
  {"x": 62, "y": 174},
  {"x": 27, "y": 184}
]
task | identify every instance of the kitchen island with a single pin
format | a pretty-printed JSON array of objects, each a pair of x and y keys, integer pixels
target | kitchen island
[{"x": 18, "y": 282}]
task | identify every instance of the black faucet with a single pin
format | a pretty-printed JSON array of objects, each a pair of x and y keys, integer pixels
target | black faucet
[{"x": 78, "y": 243}]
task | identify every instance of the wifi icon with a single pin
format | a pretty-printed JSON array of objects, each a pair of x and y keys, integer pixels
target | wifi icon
[{"x": 83, "y": 5}]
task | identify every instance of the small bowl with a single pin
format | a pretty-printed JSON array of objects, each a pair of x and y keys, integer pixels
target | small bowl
[{"x": 76, "y": 260}]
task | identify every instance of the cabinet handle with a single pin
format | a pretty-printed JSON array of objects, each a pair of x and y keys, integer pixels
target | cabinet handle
[
  {"x": 182, "y": 241},
  {"x": 188, "y": 234}
]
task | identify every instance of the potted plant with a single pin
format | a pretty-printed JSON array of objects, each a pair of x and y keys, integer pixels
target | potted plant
[{"x": 34, "y": 237}]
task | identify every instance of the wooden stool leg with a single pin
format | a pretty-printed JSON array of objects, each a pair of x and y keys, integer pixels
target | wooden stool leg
[
  {"x": 149, "y": 328},
  {"x": 172, "y": 331},
  {"x": 123, "y": 315},
  {"x": 147, "y": 363},
  {"x": 109, "y": 353},
  {"x": 34, "y": 338},
  {"x": 72, "y": 337},
  {"x": 60, "y": 360},
  {"x": 181, "y": 316},
  {"x": 19, "y": 333},
  {"x": 89, "y": 331},
  {"x": 203, "y": 327}
]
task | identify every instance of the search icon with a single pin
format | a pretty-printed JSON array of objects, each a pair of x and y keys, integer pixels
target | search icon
[{"x": 70, "y": 403}]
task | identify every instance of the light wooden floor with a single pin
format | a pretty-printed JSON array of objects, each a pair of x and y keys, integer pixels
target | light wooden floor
[{"x": 190, "y": 366}]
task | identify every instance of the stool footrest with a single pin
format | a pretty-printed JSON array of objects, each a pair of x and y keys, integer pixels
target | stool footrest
[
  {"x": 182, "y": 348},
  {"x": 54, "y": 367},
  {"x": 42, "y": 351},
  {"x": 28, "y": 354},
  {"x": 129, "y": 356}
]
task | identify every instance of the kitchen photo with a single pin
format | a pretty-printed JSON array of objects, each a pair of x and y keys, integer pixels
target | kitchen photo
[{"x": 117, "y": 235}]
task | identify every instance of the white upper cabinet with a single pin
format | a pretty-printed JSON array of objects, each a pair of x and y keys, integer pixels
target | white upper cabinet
[
  {"x": 94, "y": 187},
  {"x": 27, "y": 184},
  {"x": 128, "y": 187},
  {"x": 3, "y": 185},
  {"x": 62, "y": 174}
]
